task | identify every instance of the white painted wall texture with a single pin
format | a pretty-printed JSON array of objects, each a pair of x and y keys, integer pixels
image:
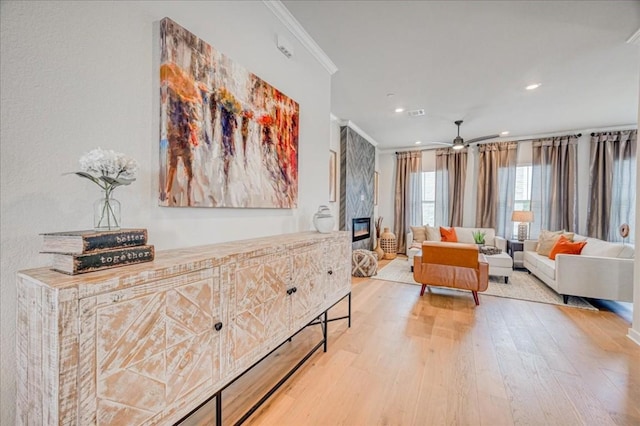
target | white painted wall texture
[
  {"x": 80, "y": 75},
  {"x": 634, "y": 331}
]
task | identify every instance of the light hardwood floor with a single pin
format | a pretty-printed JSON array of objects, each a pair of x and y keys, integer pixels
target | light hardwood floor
[{"x": 439, "y": 360}]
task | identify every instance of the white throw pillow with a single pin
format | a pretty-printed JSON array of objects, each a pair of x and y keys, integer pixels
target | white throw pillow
[
  {"x": 596, "y": 247},
  {"x": 433, "y": 233}
]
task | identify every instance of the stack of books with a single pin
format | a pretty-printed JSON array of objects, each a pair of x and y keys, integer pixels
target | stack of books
[{"x": 77, "y": 252}]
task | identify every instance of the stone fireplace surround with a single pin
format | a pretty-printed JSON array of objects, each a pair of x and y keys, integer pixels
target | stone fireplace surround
[{"x": 357, "y": 166}]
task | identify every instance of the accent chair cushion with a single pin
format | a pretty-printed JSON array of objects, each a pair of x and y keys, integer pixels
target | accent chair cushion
[
  {"x": 564, "y": 246},
  {"x": 448, "y": 235}
]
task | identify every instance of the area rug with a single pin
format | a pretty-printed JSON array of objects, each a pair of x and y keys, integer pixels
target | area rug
[{"x": 522, "y": 285}]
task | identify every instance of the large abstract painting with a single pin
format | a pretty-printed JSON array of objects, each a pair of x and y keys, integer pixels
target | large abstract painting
[{"x": 227, "y": 138}]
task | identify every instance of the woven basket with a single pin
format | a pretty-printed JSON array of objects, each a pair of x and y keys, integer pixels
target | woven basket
[{"x": 389, "y": 244}]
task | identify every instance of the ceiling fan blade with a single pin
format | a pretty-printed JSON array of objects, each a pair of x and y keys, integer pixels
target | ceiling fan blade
[
  {"x": 482, "y": 138},
  {"x": 438, "y": 143}
]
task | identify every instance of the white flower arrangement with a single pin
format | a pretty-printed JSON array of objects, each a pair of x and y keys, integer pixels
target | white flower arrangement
[{"x": 108, "y": 169}]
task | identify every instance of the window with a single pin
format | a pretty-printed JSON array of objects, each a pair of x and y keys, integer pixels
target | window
[
  {"x": 429, "y": 198},
  {"x": 523, "y": 192}
]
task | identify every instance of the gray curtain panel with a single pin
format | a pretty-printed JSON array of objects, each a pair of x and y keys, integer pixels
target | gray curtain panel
[
  {"x": 451, "y": 171},
  {"x": 408, "y": 199},
  {"x": 496, "y": 186},
  {"x": 554, "y": 186},
  {"x": 612, "y": 184}
]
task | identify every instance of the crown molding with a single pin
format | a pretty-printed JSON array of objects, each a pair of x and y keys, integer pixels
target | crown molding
[
  {"x": 635, "y": 38},
  {"x": 428, "y": 146},
  {"x": 361, "y": 132},
  {"x": 334, "y": 118},
  {"x": 282, "y": 13},
  {"x": 354, "y": 127}
]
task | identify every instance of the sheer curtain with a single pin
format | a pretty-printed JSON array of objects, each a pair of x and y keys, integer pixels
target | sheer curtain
[
  {"x": 612, "y": 184},
  {"x": 496, "y": 186},
  {"x": 451, "y": 171},
  {"x": 554, "y": 184},
  {"x": 408, "y": 200}
]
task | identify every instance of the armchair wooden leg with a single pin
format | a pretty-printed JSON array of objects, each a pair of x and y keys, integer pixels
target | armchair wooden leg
[
  {"x": 422, "y": 290},
  {"x": 475, "y": 297}
]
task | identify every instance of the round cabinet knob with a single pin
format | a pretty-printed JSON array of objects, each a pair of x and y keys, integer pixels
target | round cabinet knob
[
  {"x": 290, "y": 291},
  {"x": 218, "y": 326},
  {"x": 330, "y": 272},
  {"x": 294, "y": 289}
]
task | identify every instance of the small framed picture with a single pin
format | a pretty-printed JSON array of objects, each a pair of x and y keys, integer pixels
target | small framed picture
[
  {"x": 375, "y": 188},
  {"x": 333, "y": 175}
]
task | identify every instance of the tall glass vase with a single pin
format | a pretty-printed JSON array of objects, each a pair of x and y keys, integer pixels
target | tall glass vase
[{"x": 106, "y": 213}]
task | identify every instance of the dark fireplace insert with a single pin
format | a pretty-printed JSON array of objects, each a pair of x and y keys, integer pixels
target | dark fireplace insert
[{"x": 361, "y": 227}]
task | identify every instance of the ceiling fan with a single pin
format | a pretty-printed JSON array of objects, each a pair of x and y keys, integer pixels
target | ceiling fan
[{"x": 459, "y": 143}]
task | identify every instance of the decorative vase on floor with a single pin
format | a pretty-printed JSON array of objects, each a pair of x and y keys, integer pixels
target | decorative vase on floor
[
  {"x": 323, "y": 220},
  {"x": 379, "y": 250},
  {"x": 106, "y": 213},
  {"x": 389, "y": 244}
]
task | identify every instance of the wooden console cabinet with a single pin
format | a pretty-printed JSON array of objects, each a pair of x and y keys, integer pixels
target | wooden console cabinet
[{"x": 147, "y": 343}]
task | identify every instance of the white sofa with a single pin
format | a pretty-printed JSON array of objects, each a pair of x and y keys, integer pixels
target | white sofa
[
  {"x": 603, "y": 270},
  {"x": 499, "y": 264}
]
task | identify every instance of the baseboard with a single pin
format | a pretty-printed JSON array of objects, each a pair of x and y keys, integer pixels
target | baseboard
[{"x": 634, "y": 335}]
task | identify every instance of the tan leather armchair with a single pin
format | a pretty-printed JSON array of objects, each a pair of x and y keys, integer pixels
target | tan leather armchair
[{"x": 451, "y": 265}]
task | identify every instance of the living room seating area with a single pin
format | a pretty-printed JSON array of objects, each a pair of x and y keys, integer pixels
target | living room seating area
[
  {"x": 601, "y": 269},
  {"x": 500, "y": 263}
]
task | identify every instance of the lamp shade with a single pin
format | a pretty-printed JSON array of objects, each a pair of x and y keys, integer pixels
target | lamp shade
[{"x": 522, "y": 216}]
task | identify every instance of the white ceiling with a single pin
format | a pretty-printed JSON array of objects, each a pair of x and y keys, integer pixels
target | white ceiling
[{"x": 471, "y": 60}]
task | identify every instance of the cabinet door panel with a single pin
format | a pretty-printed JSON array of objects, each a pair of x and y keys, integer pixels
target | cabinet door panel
[
  {"x": 338, "y": 257},
  {"x": 153, "y": 350},
  {"x": 310, "y": 283},
  {"x": 260, "y": 316}
]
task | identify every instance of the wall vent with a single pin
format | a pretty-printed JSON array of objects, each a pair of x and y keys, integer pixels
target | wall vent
[
  {"x": 416, "y": 113},
  {"x": 285, "y": 46}
]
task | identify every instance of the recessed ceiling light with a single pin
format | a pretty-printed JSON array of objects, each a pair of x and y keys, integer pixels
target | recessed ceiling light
[
  {"x": 533, "y": 86},
  {"x": 399, "y": 109},
  {"x": 505, "y": 133},
  {"x": 390, "y": 95},
  {"x": 418, "y": 142}
]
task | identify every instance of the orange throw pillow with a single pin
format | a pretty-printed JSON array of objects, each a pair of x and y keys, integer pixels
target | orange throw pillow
[
  {"x": 448, "y": 235},
  {"x": 564, "y": 246}
]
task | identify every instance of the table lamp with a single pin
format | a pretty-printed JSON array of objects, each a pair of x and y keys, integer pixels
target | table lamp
[{"x": 524, "y": 217}]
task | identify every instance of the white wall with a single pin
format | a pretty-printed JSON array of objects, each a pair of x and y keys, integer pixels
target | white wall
[
  {"x": 334, "y": 145},
  {"x": 386, "y": 188},
  {"x": 634, "y": 331},
  {"x": 80, "y": 75}
]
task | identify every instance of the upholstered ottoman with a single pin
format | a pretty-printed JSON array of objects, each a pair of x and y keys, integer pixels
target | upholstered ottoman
[
  {"x": 500, "y": 265},
  {"x": 364, "y": 263}
]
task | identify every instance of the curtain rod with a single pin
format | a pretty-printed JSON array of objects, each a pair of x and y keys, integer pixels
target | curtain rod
[
  {"x": 516, "y": 140},
  {"x": 608, "y": 133},
  {"x": 577, "y": 135}
]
